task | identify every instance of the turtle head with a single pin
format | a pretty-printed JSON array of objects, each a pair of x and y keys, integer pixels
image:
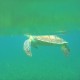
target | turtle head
[{"x": 27, "y": 35}]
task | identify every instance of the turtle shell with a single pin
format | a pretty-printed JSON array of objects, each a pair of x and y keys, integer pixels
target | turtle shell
[{"x": 50, "y": 39}]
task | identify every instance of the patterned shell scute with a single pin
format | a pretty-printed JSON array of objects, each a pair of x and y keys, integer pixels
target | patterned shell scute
[{"x": 50, "y": 39}]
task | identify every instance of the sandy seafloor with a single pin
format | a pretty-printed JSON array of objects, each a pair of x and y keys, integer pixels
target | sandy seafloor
[{"x": 39, "y": 17}]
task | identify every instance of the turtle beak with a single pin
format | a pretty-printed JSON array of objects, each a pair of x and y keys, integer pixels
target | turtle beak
[{"x": 27, "y": 35}]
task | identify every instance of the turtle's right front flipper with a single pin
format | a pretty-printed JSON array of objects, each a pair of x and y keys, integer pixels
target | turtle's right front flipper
[{"x": 27, "y": 47}]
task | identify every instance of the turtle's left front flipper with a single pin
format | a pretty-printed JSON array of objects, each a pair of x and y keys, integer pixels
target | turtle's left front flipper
[
  {"x": 27, "y": 47},
  {"x": 65, "y": 49}
]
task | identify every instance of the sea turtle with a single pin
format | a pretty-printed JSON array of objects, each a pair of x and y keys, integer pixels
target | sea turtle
[{"x": 45, "y": 40}]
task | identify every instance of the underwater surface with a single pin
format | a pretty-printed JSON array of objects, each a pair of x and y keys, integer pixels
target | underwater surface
[
  {"x": 22, "y": 16},
  {"x": 19, "y": 17}
]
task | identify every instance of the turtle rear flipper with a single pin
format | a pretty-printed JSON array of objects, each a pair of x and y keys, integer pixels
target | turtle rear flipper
[
  {"x": 27, "y": 47},
  {"x": 65, "y": 49}
]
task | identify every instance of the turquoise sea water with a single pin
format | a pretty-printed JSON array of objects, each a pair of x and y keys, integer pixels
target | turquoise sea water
[
  {"x": 39, "y": 17},
  {"x": 47, "y": 63}
]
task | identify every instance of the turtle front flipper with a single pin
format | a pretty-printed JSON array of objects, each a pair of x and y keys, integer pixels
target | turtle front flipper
[
  {"x": 65, "y": 49},
  {"x": 27, "y": 47}
]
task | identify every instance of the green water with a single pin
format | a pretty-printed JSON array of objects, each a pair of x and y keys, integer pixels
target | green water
[
  {"x": 18, "y": 17},
  {"x": 21, "y": 16}
]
